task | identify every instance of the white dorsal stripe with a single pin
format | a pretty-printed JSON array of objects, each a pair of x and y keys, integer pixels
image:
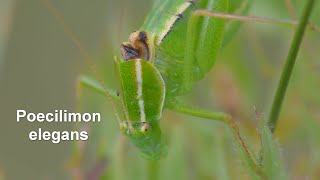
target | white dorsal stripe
[
  {"x": 139, "y": 90},
  {"x": 164, "y": 96},
  {"x": 172, "y": 20}
]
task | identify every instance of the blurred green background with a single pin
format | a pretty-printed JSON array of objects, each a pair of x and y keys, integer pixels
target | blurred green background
[{"x": 40, "y": 66}]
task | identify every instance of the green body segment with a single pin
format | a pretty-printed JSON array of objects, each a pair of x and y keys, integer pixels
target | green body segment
[
  {"x": 143, "y": 90},
  {"x": 143, "y": 94},
  {"x": 171, "y": 48}
]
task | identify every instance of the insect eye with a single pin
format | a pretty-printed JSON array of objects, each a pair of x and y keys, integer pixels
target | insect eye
[{"x": 145, "y": 128}]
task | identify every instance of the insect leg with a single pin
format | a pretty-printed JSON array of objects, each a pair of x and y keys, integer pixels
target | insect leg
[
  {"x": 204, "y": 36},
  {"x": 96, "y": 86},
  {"x": 293, "y": 14},
  {"x": 202, "y": 43},
  {"x": 225, "y": 118},
  {"x": 221, "y": 15}
]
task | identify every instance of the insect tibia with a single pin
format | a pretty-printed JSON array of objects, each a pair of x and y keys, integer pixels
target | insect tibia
[{"x": 137, "y": 46}]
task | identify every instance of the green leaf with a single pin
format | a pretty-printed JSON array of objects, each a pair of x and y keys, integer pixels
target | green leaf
[
  {"x": 271, "y": 159},
  {"x": 251, "y": 167}
]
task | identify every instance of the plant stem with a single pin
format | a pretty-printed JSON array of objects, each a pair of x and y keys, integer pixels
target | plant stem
[
  {"x": 153, "y": 170},
  {"x": 291, "y": 59}
]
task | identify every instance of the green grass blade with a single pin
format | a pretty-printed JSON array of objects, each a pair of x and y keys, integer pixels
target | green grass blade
[
  {"x": 291, "y": 59},
  {"x": 249, "y": 167},
  {"x": 271, "y": 160}
]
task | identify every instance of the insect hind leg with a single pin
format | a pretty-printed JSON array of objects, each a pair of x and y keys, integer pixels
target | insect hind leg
[
  {"x": 204, "y": 36},
  {"x": 204, "y": 33}
]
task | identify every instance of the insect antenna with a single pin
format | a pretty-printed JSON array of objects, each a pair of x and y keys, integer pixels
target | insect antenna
[
  {"x": 88, "y": 58},
  {"x": 119, "y": 31}
]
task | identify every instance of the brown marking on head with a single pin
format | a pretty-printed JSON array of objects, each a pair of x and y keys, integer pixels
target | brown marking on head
[{"x": 136, "y": 47}]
